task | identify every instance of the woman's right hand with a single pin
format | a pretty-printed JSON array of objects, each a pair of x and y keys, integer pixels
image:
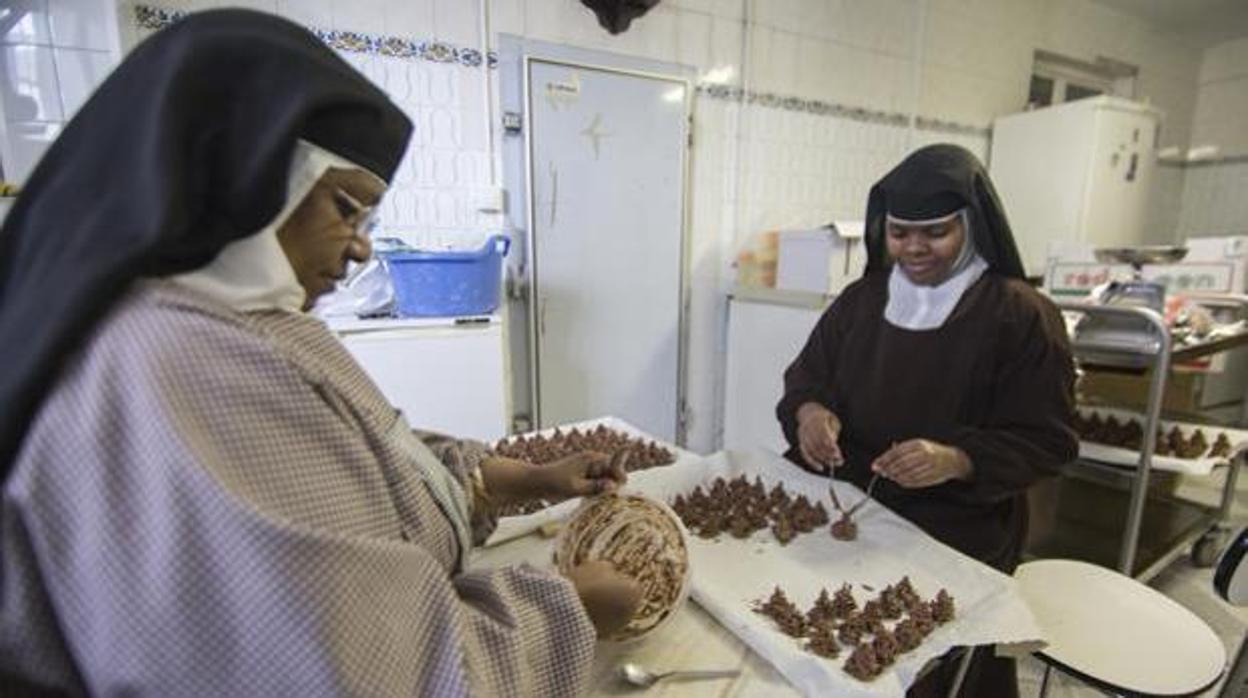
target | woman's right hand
[
  {"x": 817, "y": 432},
  {"x": 610, "y": 598}
]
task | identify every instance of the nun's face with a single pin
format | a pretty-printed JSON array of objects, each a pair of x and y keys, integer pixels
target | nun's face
[
  {"x": 926, "y": 253},
  {"x": 321, "y": 235}
]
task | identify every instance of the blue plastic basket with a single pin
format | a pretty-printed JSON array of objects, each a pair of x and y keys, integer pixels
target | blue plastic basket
[{"x": 448, "y": 284}]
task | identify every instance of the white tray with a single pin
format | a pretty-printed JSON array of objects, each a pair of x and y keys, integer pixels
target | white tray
[
  {"x": 730, "y": 574},
  {"x": 1127, "y": 458},
  {"x": 510, "y": 527}
]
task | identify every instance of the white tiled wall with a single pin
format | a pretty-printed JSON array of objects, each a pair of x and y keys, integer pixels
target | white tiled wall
[
  {"x": 978, "y": 54},
  {"x": 439, "y": 188},
  {"x": 52, "y": 55},
  {"x": 1222, "y": 101},
  {"x": 1213, "y": 200},
  {"x": 31, "y": 89},
  {"x": 444, "y": 178},
  {"x": 83, "y": 24},
  {"x": 754, "y": 167},
  {"x": 1162, "y": 220}
]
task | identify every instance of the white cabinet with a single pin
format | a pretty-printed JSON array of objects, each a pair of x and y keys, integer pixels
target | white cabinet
[
  {"x": 766, "y": 330},
  {"x": 444, "y": 375}
]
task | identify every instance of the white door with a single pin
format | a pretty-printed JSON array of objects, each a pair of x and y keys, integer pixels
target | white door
[{"x": 607, "y": 165}]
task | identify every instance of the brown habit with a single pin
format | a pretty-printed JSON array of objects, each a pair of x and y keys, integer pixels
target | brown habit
[{"x": 996, "y": 380}]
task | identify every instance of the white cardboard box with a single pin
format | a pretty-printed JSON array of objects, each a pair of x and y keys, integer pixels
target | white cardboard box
[{"x": 823, "y": 260}]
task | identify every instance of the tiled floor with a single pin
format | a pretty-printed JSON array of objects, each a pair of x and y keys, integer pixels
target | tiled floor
[{"x": 1182, "y": 582}]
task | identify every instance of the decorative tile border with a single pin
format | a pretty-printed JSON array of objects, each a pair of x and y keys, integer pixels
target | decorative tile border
[
  {"x": 814, "y": 106},
  {"x": 149, "y": 17},
  {"x": 810, "y": 106},
  {"x": 926, "y": 124}
]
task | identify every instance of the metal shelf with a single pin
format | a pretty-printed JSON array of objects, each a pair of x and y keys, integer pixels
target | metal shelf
[
  {"x": 1105, "y": 514},
  {"x": 1203, "y": 349}
]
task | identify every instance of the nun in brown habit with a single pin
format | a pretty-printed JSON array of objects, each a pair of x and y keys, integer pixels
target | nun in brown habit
[
  {"x": 941, "y": 370},
  {"x": 203, "y": 494}
]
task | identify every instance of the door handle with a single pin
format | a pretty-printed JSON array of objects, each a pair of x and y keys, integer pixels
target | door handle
[{"x": 541, "y": 315}]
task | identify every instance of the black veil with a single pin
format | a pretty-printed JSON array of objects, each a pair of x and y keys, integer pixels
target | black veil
[
  {"x": 938, "y": 173},
  {"x": 182, "y": 150}
]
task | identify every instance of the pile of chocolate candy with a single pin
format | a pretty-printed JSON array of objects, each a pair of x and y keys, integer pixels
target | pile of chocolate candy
[
  {"x": 1129, "y": 434},
  {"x": 740, "y": 508},
  {"x": 835, "y": 621},
  {"x": 542, "y": 450}
]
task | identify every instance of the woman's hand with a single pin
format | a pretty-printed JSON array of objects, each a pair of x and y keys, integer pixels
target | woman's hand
[
  {"x": 923, "y": 463},
  {"x": 508, "y": 480},
  {"x": 584, "y": 474},
  {"x": 609, "y": 597},
  {"x": 817, "y": 432}
]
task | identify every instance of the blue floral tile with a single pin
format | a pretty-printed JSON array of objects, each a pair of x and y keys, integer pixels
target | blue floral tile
[
  {"x": 155, "y": 17},
  {"x": 439, "y": 52},
  {"x": 352, "y": 41},
  {"x": 396, "y": 47}
]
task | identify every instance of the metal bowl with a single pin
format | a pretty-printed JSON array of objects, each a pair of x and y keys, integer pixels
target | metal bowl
[{"x": 1136, "y": 256}]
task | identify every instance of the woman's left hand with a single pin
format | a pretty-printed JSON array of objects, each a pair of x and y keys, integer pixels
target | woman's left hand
[{"x": 923, "y": 463}]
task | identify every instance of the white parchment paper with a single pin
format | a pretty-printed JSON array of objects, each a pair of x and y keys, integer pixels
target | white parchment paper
[{"x": 729, "y": 575}]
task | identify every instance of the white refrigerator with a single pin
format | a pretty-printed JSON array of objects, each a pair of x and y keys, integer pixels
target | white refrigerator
[{"x": 1075, "y": 172}]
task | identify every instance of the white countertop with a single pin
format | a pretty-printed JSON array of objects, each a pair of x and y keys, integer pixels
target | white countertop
[{"x": 776, "y": 296}]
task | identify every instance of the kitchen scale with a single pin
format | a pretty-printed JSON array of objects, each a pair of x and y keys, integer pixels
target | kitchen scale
[
  {"x": 1137, "y": 292},
  {"x": 1126, "y": 333}
]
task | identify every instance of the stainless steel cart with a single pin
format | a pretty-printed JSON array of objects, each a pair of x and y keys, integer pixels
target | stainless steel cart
[{"x": 1107, "y": 514}]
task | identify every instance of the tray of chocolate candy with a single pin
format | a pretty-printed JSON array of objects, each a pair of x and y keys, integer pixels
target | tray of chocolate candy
[
  {"x": 757, "y": 522},
  {"x": 1117, "y": 436},
  {"x": 609, "y": 436}
]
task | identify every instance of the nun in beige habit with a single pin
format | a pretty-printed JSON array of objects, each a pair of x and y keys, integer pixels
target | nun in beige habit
[{"x": 203, "y": 494}]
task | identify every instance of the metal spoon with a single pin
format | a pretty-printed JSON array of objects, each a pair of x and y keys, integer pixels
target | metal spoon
[{"x": 639, "y": 676}]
